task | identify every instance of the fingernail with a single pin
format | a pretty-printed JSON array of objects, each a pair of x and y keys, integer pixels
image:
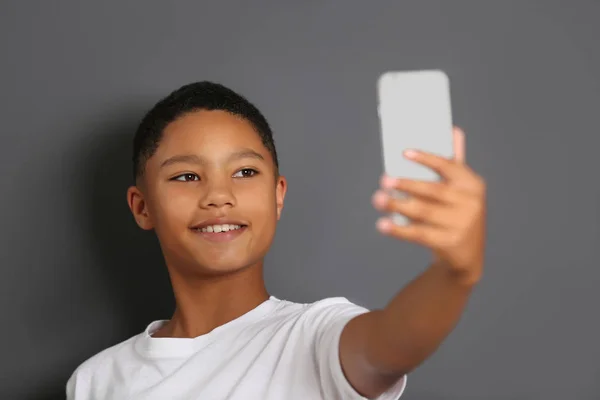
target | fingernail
[
  {"x": 388, "y": 182},
  {"x": 410, "y": 153},
  {"x": 384, "y": 224},
  {"x": 379, "y": 198}
]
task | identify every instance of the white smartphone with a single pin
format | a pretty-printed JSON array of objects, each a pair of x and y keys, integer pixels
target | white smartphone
[{"x": 414, "y": 113}]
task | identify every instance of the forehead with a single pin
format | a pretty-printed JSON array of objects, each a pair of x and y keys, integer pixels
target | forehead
[{"x": 208, "y": 132}]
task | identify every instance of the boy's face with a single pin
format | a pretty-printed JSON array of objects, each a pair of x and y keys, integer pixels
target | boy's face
[{"x": 210, "y": 193}]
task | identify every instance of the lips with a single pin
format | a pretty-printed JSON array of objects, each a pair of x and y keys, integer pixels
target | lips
[
  {"x": 218, "y": 222},
  {"x": 220, "y": 229}
]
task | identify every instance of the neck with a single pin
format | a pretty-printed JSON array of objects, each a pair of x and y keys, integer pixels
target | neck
[{"x": 203, "y": 304}]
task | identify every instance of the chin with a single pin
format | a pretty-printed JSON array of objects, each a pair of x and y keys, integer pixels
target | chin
[{"x": 221, "y": 267}]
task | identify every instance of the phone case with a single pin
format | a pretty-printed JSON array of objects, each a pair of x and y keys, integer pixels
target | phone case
[{"x": 414, "y": 113}]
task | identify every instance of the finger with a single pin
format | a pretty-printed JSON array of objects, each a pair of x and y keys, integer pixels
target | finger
[
  {"x": 437, "y": 191},
  {"x": 425, "y": 212},
  {"x": 417, "y": 209},
  {"x": 424, "y": 235},
  {"x": 459, "y": 145},
  {"x": 444, "y": 191},
  {"x": 471, "y": 183},
  {"x": 446, "y": 168}
]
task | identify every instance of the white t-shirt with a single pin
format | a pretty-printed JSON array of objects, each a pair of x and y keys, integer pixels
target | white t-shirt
[{"x": 279, "y": 350}]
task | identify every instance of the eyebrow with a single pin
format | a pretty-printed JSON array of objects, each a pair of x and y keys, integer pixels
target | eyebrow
[{"x": 194, "y": 159}]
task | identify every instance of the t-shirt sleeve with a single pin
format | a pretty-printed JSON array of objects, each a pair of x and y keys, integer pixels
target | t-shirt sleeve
[
  {"x": 78, "y": 385},
  {"x": 72, "y": 387},
  {"x": 331, "y": 316}
]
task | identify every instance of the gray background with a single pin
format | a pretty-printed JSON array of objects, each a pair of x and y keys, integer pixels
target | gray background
[{"x": 76, "y": 77}]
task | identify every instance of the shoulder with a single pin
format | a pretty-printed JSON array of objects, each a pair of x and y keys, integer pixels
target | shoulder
[
  {"x": 320, "y": 313},
  {"x": 338, "y": 303},
  {"x": 83, "y": 374}
]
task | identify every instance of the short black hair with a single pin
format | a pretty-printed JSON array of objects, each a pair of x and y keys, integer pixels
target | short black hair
[{"x": 192, "y": 97}]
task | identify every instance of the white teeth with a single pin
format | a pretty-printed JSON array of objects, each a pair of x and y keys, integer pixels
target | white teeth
[{"x": 220, "y": 228}]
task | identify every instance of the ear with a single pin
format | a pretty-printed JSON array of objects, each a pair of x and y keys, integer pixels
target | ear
[
  {"x": 280, "y": 190},
  {"x": 139, "y": 208}
]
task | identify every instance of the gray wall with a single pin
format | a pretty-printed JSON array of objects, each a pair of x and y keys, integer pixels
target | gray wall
[{"x": 76, "y": 77}]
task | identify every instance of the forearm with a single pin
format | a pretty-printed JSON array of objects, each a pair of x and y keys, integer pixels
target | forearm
[
  {"x": 412, "y": 326},
  {"x": 377, "y": 347}
]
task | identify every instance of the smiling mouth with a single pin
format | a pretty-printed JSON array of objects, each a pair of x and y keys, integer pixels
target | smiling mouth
[{"x": 219, "y": 228}]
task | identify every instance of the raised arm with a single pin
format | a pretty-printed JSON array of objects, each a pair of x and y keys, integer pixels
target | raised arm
[{"x": 379, "y": 347}]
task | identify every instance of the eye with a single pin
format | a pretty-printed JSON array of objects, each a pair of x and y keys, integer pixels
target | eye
[
  {"x": 186, "y": 178},
  {"x": 245, "y": 173}
]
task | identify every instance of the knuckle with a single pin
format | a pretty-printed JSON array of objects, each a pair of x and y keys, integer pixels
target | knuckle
[
  {"x": 476, "y": 208},
  {"x": 442, "y": 191},
  {"x": 473, "y": 205},
  {"x": 418, "y": 234},
  {"x": 480, "y": 185},
  {"x": 453, "y": 239},
  {"x": 420, "y": 210}
]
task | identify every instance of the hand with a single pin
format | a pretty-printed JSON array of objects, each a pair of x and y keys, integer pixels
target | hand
[{"x": 447, "y": 216}]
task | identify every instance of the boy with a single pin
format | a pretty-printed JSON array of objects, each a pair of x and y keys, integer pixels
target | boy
[{"x": 207, "y": 182}]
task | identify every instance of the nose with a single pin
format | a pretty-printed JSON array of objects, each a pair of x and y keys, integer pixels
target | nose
[{"x": 218, "y": 195}]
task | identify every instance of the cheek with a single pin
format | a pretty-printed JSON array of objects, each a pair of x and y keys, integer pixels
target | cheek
[
  {"x": 174, "y": 210},
  {"x": 259, "y": 204}
]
